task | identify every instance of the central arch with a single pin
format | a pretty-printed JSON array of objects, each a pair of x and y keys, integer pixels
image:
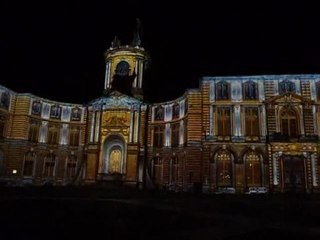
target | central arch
[{"x": 114, "y": 155}]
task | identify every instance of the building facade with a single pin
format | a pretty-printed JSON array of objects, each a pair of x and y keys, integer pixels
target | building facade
[{"x": 236, "y": 132}]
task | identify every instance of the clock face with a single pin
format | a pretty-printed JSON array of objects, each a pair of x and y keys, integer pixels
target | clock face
[{"x": 122, "y": 68}]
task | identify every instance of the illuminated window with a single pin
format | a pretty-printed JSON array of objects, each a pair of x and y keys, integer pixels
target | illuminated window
[
  {"x": 253, "y": 169},
  {"x": 289, "y": 123},
  {"x": 29, "y": 164},
  {"x": 158, "y": 136},
  {"x": 224, "y": 173},
  {"x": 252, "y": 122},
  {"x": 224, "y": 121},
  {"x": 115, "y": 160},
  {"x": 71, "y": 166},
  {"x": 250, "y": 90},
  {"x": 53, "y": 134},
  {"x": 74, "y": 136},
  {"x": 175, "y": 127},
  {"x": 222, "y": 91},
  {"x": 286, "y": 86},
  {"x": 49, "y": 165},
  {"x": 34, "y": 131}
]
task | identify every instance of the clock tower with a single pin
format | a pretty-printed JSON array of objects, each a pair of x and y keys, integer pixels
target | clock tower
[{"x": 125, "y": 65}]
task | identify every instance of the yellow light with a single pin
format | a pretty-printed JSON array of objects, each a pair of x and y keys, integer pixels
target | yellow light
[{"x": 14, "y": 171}]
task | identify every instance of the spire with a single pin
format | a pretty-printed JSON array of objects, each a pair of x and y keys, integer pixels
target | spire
[
  {"x": 136, "y": 41},
  {"x": 115, "y": 43}
]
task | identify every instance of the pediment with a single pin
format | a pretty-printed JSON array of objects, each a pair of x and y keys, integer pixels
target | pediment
[{"x": 288, "y": 98}]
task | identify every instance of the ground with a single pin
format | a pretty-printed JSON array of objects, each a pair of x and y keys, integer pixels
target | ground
[{"x": 121, "y": 213}]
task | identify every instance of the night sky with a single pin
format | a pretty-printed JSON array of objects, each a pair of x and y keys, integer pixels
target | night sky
[{"x": 55, "y": 50}]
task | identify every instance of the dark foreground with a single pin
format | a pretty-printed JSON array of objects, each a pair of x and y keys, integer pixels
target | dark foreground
[{"x": 117, "y": 213}]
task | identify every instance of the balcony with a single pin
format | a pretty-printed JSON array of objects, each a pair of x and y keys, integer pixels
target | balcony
[{"x": 278, "y": 137}]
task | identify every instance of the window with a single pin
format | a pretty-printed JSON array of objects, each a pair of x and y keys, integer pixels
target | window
[
  {"x": 318, "y": 90},
  {"x": 250, "y": 90},
  {"x": 158, "y": 136},
  {"x": 53, "y": 134},
  {"x": 74, "y": 136},
  {"x": 222, "y": 91},
  {"x": 173, "y": 169},
  {"x": 289, "y": 123},
  {"x": 1, "y": 129},
  {"x": 157, "y": 165},
  {"x": 286, "y": 86},
  {"x": 159, "y": 113},
  {"x": 224, "y": 167},
  {"x": 29, "y": 164},
  {"x": 176, "y": 111},
  {"x": 224, "y": 121},
  {"x": 252, "y": 122},
  {"x": 175, "y": 127},
  {"x": 71, "y": 166},
  {"x": 49, "y": 165},
  {"x": 34, "y": 131},
  {"x": 252, "y": 169}
]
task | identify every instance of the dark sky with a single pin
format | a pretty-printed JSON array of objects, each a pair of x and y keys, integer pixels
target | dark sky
[{"x": 55, "y": 49}]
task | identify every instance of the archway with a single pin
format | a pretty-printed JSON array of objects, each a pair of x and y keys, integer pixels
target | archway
[{"x": 114, "y": 153}]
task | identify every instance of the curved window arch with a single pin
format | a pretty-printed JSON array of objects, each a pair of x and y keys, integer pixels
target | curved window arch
[
  {"x": 253, "y": 168},
  {"x": 289, "y": 122},
  {"x": 224, "y": 165}
]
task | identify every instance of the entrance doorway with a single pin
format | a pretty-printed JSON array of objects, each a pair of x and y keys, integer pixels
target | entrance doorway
[{"x": 293, "y": 173}]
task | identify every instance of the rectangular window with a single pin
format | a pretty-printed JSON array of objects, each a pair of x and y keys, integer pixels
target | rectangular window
[
  {"x": 53, "y": 135},
  {"x": 34, "y": 131},
  {"x": 224, "y": 121},
  {"x": 252, "y": 122},
  {"x": 74, "y": 136},
  {"x": 1, "y": 129},
  {"x": 158, "y": 136},
  {"x": 175, "y": 127}
]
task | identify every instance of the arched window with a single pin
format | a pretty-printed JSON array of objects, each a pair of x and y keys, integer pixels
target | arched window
[
  {"x": 49, "y": 165},
  {"x": 224, "y": 162},
  {"x": 289, "y": 123},
  {"x": 34, "y": 130},
  {"x": 115, "y": 160},
  {"x": 252, "y": 121},
  {"x": 250, "y": 90},
  {"x": 29, "y": 164},
  {"x": 222, "y": 90},
  {"x": 71, "y": 167},
  {"x": 252, "y": 168},
  {"x": 286, "y": 86}
]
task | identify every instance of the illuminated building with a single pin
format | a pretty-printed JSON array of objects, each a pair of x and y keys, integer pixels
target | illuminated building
[{"x": 234, "y": 132}]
